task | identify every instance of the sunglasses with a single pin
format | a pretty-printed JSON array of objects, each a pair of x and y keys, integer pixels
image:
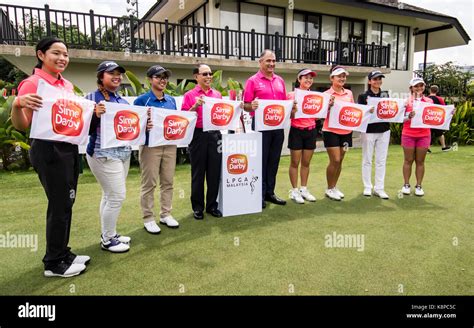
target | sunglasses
[
  {"x": 206, "y": 74},
  {"x": 161, "y": 77}
]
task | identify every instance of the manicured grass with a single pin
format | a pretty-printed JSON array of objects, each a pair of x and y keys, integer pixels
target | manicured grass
[{"x": 409, "y": 241}]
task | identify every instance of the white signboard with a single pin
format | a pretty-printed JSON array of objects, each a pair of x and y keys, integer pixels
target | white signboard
[
  {"x": 220, "y": 114},
  {"x": 428, "y": 115},
  {"x": 390, "y": 110},
  {"x": 63, "y": 117},
  {"x": 349, "y": 116},
  {"x": 241, "y": 180},
  {"x": 273, "y": 114},
  {"x": 311, "y": 104},
  {"x": 171, "y": 127},
  {"x": 122, "y": 125}
]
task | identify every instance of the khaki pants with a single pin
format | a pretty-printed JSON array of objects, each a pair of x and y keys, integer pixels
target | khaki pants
[{"x": 156, "y": 161}]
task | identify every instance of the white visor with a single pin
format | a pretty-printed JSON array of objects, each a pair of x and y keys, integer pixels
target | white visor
[{"x": 338, "y": 71}]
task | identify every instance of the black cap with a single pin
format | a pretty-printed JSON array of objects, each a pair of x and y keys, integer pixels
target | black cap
[
  {"x": 109, "y": 66},
  {"x": 375, "y": 74},
  {"x": 157, "y": 70}
]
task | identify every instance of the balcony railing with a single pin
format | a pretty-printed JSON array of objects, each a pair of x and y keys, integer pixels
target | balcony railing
[{"x": 27, "y": 25}]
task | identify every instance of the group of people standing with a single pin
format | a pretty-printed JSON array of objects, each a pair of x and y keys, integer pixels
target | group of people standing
[{"x": 57, "y": 163}]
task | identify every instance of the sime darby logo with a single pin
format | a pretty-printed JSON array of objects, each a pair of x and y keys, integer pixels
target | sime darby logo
[
  {"x": 387, "y": 109},
  {"x": 174, "y": 127},
  {"x": 66, "y": 117},
  {"x": 126, "y": 125},
  {"x": 433, "y": 115},
  {"x": 273, "y": 115},
  {"x": 350, "y": 116},
  {"x": 312, "y": 104},
  {"x": 221, "y": 114},
  {"x": 237, "y": 164}
]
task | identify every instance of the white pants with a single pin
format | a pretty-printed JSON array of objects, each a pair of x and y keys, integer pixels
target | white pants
[
  {"x": 111, "y": 174},
  {"x": 378, "y": 142}
]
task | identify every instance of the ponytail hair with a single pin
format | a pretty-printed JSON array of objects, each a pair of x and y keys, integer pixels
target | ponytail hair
[
  {"x": 43, "y": 45},
  {"x": 100, "y": 86}
]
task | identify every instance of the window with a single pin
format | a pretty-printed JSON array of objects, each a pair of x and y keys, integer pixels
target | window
[
  {"x": 402, "y": 62},
  {"x": 313, "y": 26},
  {"x": 276, "y": 20},
  {"x": 395, "y": 36},
  {"x": 200, "y": 15},
  {"x": 245, "y": 16},
  {"x": 329, "y": 27},
  {"x": 187, "y": 33},
  {"x": 252, "y": 17},
  {"x": 376, "y": 28},
  {"x": 389, "y": 36},
  {"x": 229, "y": 11},
  {"x": 299, "y": 24}
]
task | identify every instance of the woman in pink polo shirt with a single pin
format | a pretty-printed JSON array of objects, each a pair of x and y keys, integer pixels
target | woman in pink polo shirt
[
  {"x": 57, "y": 163},
  {"x": 415, "y": 141},
  {"x": 301, "y": 142},
  {"x": 336, "y": 141}
]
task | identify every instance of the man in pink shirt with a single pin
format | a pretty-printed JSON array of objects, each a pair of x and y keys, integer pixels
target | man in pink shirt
[
  {"x": 265, "y": 84},
  {"x": 203, "y": 150}
]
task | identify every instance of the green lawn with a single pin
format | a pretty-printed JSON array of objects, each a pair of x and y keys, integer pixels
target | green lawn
[{"x": 410, "y": 243}]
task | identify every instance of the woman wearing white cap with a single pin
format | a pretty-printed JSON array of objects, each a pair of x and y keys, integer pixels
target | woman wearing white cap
[
  {"x": 415, "y": 141},
  {"x": 301, "y": 142},
  {"x": 336, "y": 141},
  {"x": 375, "y": 139}
]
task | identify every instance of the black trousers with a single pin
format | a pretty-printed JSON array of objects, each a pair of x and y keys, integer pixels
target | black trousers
[
  {"x": 57, "y": 165},
  {"x": 272, "y": 143},
  {"x": 206, "y": 158}
]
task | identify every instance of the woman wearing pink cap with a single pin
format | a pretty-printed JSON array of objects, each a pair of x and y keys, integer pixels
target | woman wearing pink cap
[
  {"x": 336, "y": 141},
  {"x": 301, "y": 142},
  {"x": 415, "y": 141}
]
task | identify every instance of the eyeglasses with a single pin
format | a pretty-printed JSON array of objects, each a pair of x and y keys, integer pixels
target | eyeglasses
[
  {"x": 206, "y": 74},
  {"x": 161, "y": 77}
]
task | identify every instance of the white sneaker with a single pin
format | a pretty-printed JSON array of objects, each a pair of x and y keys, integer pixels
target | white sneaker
[
  {"x": 123, "y": 239},
  {"x": 380, "y": 193},
  {"x": 367, "y": 192},
  {"x": 81, "y": 259},
  {"x": 296, "y": 196},
  {"x": 65, "y": 270},
  {"x": 152, "y": 227},
  {"x": 406, "y": 189},
  {"x": 419, "y": 191},
  {"x": 339, "y": 192},
  {"x": 332, "y": 194},
  {"x": 114, "y": 245},
  {"x": 307, "y": 195},
  {"x": 170, "y": 222}
]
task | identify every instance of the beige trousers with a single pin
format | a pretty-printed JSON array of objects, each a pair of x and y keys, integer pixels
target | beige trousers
[{"x": 156, "y": 162}]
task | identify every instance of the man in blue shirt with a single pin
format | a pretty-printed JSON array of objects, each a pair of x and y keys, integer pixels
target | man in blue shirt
[{"x": 157, "y": 161}]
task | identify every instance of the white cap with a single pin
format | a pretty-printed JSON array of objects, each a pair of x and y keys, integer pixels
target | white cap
[
  {"x": 338, "y": 71},
  {"x": 416, "y": 80}
]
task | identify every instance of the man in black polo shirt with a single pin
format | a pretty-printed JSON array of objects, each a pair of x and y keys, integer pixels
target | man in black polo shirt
[{"x": 376, "y": 138}]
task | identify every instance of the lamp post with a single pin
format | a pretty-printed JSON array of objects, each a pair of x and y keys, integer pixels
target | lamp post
[{"x": 131, "y": 10}]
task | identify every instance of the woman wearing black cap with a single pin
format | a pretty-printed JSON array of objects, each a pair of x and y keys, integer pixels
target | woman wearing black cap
[
  {"x": 301, "y": 142},
  {"x": 57, "y": 163},
  {"x": 376, "y": 139},
  {"x": 109, "y": 166}
]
